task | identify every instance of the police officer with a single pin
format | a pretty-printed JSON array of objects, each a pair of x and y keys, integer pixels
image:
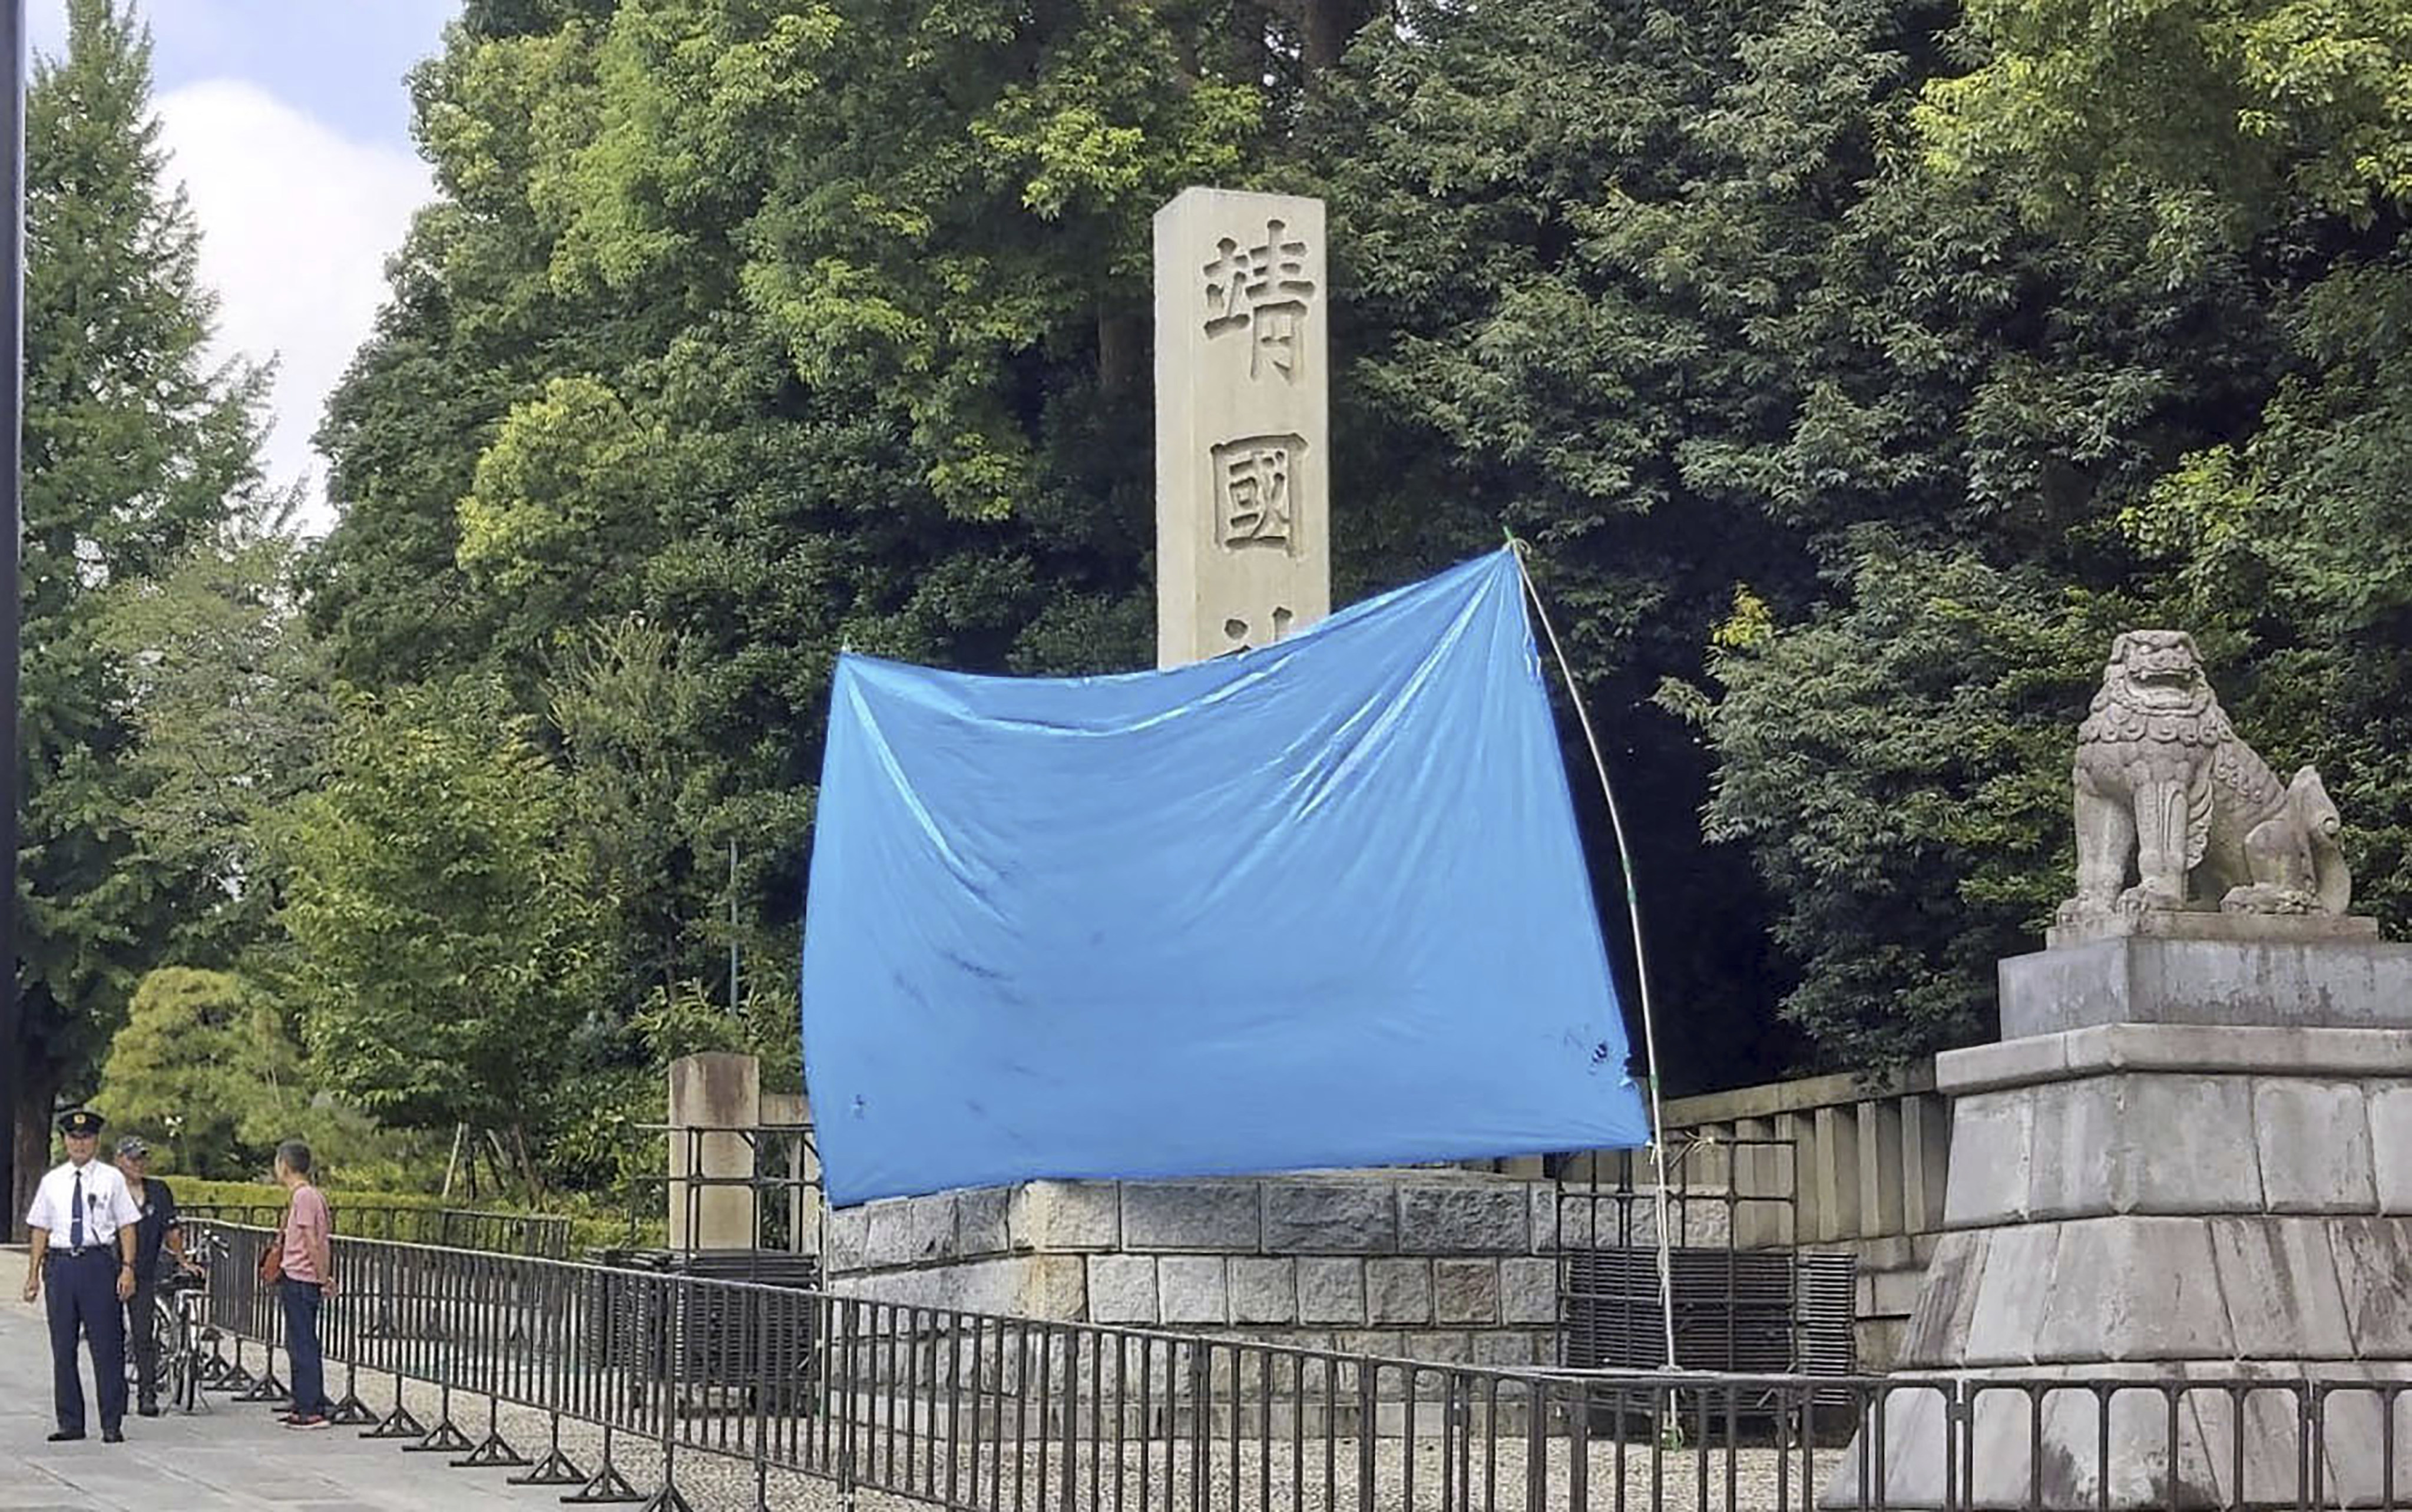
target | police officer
[{"x": 82, "y": 1224}]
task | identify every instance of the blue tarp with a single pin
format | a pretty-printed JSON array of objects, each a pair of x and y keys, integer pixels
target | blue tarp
[{"x": 1317, "y": 904}]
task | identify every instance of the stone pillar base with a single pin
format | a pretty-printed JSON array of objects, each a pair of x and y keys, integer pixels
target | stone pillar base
[
  {"x": 2219, "y": 1214},
  {"x": 2312, "y": 1433}
]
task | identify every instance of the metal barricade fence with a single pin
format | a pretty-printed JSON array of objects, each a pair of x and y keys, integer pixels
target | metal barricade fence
[
  {"x": 536, "y": 1235},
  {"x": 455, "y": 1353}
]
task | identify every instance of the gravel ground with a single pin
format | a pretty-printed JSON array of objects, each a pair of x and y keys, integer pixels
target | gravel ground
[{"x": 1316, "y": 1475}]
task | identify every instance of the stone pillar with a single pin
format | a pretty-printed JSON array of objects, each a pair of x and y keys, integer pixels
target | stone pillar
[
  {"x": 716, "y": 1091},
  {"x": 1881, "y": 1168},
  {"x": 1926, "y": 1131},
  {"x": 2192, "y": 1163},
  {"x": 1837, "y": 1172},
  {"x": 1763, "y": 1184},
  {"x": 792, "y": 1155},
  {"x": 1243, "y": 424}
]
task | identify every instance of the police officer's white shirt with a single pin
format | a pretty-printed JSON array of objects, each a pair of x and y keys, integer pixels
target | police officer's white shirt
[{"x": 108, "y": 1206}]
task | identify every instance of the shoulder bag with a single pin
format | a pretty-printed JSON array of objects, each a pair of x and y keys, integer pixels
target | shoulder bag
[{"x": 272, "y": 1259}]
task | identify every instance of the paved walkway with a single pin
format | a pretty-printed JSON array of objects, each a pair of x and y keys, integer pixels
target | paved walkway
[{"x": 231, "y": 1456}]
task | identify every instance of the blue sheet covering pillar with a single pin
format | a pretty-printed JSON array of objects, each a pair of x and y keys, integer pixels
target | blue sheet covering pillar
[{"x": 1317, "y": 904}]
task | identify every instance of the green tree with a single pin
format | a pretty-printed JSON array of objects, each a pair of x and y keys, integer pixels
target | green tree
[
  {"x": 209, "y": 1068},
  {"x": 2291, "y": 545},
  {"x": 135, "y": 447},
  {"x": 643, "y": 793},
  {"x": 2229, "y": 113},
  {"x": 2282, "y": 128},
  {"x": 204, "y": 1067},
  {"x": 446, "y": 934},
  {"x": 788, "y": 325},
  {"x": 1673, "y": 297},
  {"x": 1898, "y": 769},
  {"x": 230, "y": 707},
  {"x": 474, "y": 325}
]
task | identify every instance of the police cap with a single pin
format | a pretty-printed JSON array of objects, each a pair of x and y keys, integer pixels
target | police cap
[{"x": 82, "y": 1123}]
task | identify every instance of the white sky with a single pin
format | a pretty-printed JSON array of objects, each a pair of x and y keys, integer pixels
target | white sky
[{"x": 288, "y": 121}]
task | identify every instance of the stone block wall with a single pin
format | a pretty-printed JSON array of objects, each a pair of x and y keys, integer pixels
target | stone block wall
[
  {"x": 1440, "y": 1265},
  {"x": 1891, "y": 1273},
  {"x": 2253, "y": 1165}
]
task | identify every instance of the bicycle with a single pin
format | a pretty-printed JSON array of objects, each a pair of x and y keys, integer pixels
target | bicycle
[{"x": 178, "y": 1301}]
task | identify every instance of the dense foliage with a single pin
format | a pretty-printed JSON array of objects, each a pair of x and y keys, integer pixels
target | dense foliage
[
  {"x": 138, "y": 454},
  {"x": 1854, "y": 367}
]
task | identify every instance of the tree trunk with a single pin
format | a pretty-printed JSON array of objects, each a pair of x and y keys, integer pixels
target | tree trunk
[
  {"x": 1329, "y": 25},
  {"x": 506, "y": 1174},
  {"x": 36, "y": 1089},
  {"x": 528, "y": 1174},
  {"x": 1122, "y": 352},
  {"x": 1249, "y": 55}
]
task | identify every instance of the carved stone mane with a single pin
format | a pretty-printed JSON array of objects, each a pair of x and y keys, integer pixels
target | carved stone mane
[{"x": 2162, "y": 781}]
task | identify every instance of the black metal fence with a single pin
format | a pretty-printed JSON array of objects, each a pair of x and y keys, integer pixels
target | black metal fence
[
  {"x": 1748, "y": 1311},
  {"x": 761, "y": 1179},
  {"x": 684, "y": 1383},
  {"x": 1746, "y": 1297},
  {"x": 538, "y": 1234}
]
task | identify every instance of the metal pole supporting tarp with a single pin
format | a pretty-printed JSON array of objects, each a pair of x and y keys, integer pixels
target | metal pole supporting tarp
[{"x": 1641, "y": 956}]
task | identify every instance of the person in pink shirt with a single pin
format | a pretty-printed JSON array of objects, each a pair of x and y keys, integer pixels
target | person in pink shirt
[{"x": 308, "y": 1279}]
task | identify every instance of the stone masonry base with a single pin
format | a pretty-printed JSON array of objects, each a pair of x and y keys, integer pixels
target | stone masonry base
[
  {"x": 1440, "y": 1265},
  {"x": 2210, "y": 1211}
]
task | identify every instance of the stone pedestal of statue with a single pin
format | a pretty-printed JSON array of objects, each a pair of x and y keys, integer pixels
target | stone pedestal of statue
[{"x": 2187, "y": 1165}]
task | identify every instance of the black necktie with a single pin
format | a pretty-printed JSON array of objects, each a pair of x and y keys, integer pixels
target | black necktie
[{"x": 75, "y": 1229}]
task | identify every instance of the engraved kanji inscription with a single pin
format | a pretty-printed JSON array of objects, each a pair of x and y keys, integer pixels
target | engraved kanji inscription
[
  {"x": 1264, "y": 292},
  {"x": 1255, "y": 487},
  {"x": 1241, "y": 635}
]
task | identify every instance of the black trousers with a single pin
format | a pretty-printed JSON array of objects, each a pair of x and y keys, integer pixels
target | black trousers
[
  {"x": 82, "y": 1300},
  {"x": 142, "y": 1337}
]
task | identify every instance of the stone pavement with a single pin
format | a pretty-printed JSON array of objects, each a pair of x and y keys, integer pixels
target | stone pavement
[{"x": 232, "y": 1456}]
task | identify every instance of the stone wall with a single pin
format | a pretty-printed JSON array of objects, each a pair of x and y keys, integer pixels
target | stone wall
[{"x": 1448, "y": 1267}]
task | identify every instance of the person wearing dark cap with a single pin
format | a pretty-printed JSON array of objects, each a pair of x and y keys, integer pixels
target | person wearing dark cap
[
  {"x": 82, "y": 1226},
  {"x": 160, "y": 1229}
]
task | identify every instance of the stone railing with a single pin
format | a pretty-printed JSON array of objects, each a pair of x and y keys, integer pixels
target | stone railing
[
  {"x": 1865, "y": 1160},
  {"x": 1868, "y": 1156}
]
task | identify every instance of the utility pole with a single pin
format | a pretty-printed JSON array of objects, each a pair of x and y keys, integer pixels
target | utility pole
[{"x": 12, "y": 424}]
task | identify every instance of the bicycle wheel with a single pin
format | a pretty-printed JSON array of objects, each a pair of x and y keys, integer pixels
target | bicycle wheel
[{"x": 175, "y": 1355}]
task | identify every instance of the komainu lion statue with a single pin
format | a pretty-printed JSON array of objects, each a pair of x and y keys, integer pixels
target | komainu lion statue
[{"x": 2162, "y": 779}]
